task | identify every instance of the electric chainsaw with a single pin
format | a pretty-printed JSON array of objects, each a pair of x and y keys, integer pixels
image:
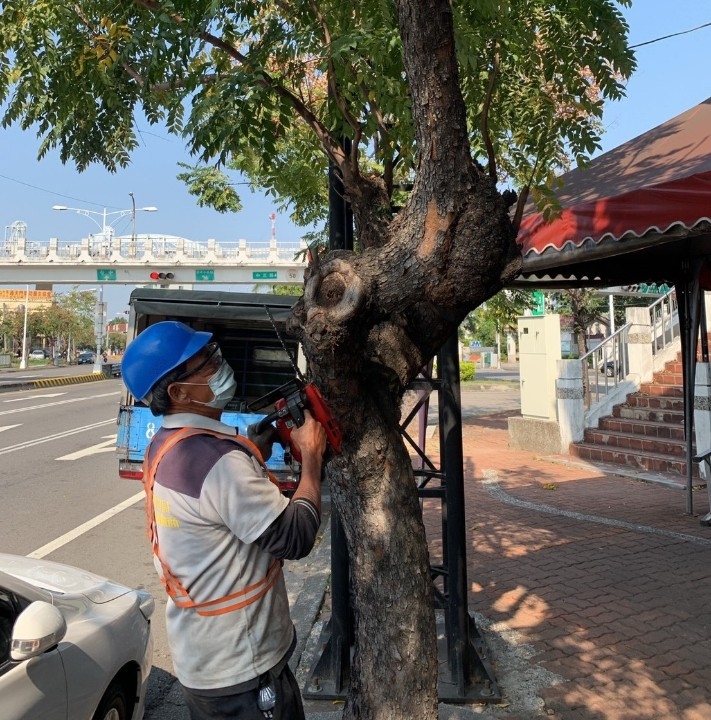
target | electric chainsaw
[{"x": 290, "y": 400}]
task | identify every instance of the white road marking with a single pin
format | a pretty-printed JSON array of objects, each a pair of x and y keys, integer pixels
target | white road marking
[
  {"x": 8, "y": 427},
  {"x": 57, "y": 436},
  {"x": 85, "y": 527},
  {"x": 34, "y": 397},
  {"x": 108, "y": 446},
  {"x": 58, "y": 402}
]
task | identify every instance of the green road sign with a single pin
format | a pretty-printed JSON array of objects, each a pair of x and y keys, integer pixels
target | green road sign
[
  {"x": 106, "y": 275},
  {"x": 204, "y": 275},
  {"x": 265, "y": 275},
  {"x": 540, "y": 307}
]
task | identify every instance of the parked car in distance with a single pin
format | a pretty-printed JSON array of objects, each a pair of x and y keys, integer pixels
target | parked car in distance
[
  {"x": 72, "y": 644},
  {"x": 86, "y": 358},
  {"x": 609, "y": 367},
  {"x": 39, "y": 354}
]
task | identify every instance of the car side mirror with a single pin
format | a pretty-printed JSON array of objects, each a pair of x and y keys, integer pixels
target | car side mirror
[{"x": 39, "y": 627}]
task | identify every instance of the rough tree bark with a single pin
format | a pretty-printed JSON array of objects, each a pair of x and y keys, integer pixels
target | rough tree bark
[{"x": 368, "y": 323}]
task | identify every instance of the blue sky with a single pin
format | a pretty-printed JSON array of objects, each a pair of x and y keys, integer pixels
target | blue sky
[{"x": 672, "y": 76}]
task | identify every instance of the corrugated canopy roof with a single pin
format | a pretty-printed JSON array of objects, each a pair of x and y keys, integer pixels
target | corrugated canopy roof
[{"x": 648, "y": 194}]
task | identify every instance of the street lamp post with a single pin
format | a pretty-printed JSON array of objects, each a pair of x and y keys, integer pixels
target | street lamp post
[
  {"x": 133, "y": 224},
  {"x": 107, "y": 227},
  {"x": 99, "y": 328},
  {"x": 107, "y": 231},
  {"x": 98, "y": 325},
  {"x": 23, "y": 361},
  {"x": 133, "y": 217}
]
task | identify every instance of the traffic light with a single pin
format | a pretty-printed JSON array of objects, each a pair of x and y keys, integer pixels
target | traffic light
[{"x": 161, "y": 275}]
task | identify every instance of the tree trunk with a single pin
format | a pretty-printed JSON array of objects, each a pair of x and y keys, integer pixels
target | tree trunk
[
  {"x": 367, "y": 332},
  {"x": 395, "y": 662},
  {"x": 368, "y": 323},
  {"x": 582, "y": 350}
]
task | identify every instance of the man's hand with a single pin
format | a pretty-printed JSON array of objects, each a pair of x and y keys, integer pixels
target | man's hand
[
  {"x": 310, "y": 438},
  {"x": 264, "y": 440}
]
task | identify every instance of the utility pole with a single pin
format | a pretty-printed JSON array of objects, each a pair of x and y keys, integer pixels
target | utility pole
[{"x": 133, "y": 224}]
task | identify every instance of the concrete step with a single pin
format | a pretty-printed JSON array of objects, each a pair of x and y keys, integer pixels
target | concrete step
[
  {"x": 660, "y": 415},
  {"x": 650, "y": 462},
  {"x": 659, "y": 390},
  {"x": 646, "y": 433},
  {"x": 656, "y": 402},
  {"x": 668, "y": 377},
  {"x": 643, "y": 427},
  {"x": 634, "y": 443}
]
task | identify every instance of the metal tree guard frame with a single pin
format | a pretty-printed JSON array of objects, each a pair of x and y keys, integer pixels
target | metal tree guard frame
[{"x": 465, "y": 672}]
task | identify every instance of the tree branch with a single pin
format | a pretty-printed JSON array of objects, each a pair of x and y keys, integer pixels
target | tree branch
[
  {"x": 446, "y": 173},
  {"x": 523, "y": 198},
  {"x": 332, "y": 85},
  {"x": 520, "y": 204},
  {"x": 330, "y": 145},
  {"x": 493, "y": 78}
]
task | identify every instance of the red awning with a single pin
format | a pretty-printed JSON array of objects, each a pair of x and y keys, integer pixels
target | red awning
[
  {"x": 654, "y": 184},
  {"x": 681, "y": 203}
]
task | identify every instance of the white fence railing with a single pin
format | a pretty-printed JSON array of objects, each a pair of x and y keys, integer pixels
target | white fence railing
[{"x": 128, "y": 249}]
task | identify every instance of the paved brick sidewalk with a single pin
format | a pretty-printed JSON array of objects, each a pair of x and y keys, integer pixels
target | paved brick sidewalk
[{"x": 594, "y": 589}]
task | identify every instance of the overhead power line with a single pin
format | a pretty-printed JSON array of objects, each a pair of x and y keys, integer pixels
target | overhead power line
[
  {"x": 50, "y": 192},
  {"x": 666, "y": 37}
]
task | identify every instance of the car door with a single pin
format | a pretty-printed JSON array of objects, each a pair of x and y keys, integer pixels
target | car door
[{"x": 29, "y": 689}]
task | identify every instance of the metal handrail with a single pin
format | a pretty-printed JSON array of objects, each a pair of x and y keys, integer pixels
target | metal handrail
[
  {"x": 664, "y": 321},
  {"x": 605, "y": 366}
]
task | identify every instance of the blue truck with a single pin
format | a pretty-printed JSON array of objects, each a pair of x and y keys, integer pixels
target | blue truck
[{"x": 261, "y": 357}]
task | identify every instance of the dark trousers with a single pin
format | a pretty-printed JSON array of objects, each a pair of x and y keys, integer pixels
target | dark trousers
[{"x": 243, "y": 706}]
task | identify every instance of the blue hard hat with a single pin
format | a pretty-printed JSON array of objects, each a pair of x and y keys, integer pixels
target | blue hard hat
[{"x": 156, "y": 351}]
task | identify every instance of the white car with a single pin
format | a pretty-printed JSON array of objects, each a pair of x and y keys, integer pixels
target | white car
[{"x": 73, "y": 645}]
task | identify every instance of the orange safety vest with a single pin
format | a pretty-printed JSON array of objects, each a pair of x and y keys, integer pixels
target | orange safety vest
[{"x": 172, "y": 585}]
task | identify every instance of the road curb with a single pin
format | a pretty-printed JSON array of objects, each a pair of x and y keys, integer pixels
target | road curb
[
  {"x": 307, "y": 607},
  {"x": 484, "y": 385},
  {"x": 52, "y": 382}
]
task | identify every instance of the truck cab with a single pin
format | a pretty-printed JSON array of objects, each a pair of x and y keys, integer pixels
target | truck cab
[{"x": 251, "y": 331}]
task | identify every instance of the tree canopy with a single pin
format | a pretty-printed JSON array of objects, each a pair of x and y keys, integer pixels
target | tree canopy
[{"x": 265, "y": 87}]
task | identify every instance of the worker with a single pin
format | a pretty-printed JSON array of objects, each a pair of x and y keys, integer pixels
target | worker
[{"x": 220, "y": 528}]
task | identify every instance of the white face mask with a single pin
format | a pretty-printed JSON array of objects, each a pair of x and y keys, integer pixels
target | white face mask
[{"x": 222, "y": 384}]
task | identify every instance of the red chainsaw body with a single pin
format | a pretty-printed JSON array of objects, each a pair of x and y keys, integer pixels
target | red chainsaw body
[{"x": 289, "y": 412}]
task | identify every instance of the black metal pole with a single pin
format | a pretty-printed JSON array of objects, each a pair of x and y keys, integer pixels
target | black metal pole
[
  {"x": 341, "y": 630},
  {"x": 450, "y": 421},
  {"x": 688, "y": 303},
  {"x": 703, "y": 328},
  {"x": 340, "y": 214},
  {"x": 340, "y": 237}
]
